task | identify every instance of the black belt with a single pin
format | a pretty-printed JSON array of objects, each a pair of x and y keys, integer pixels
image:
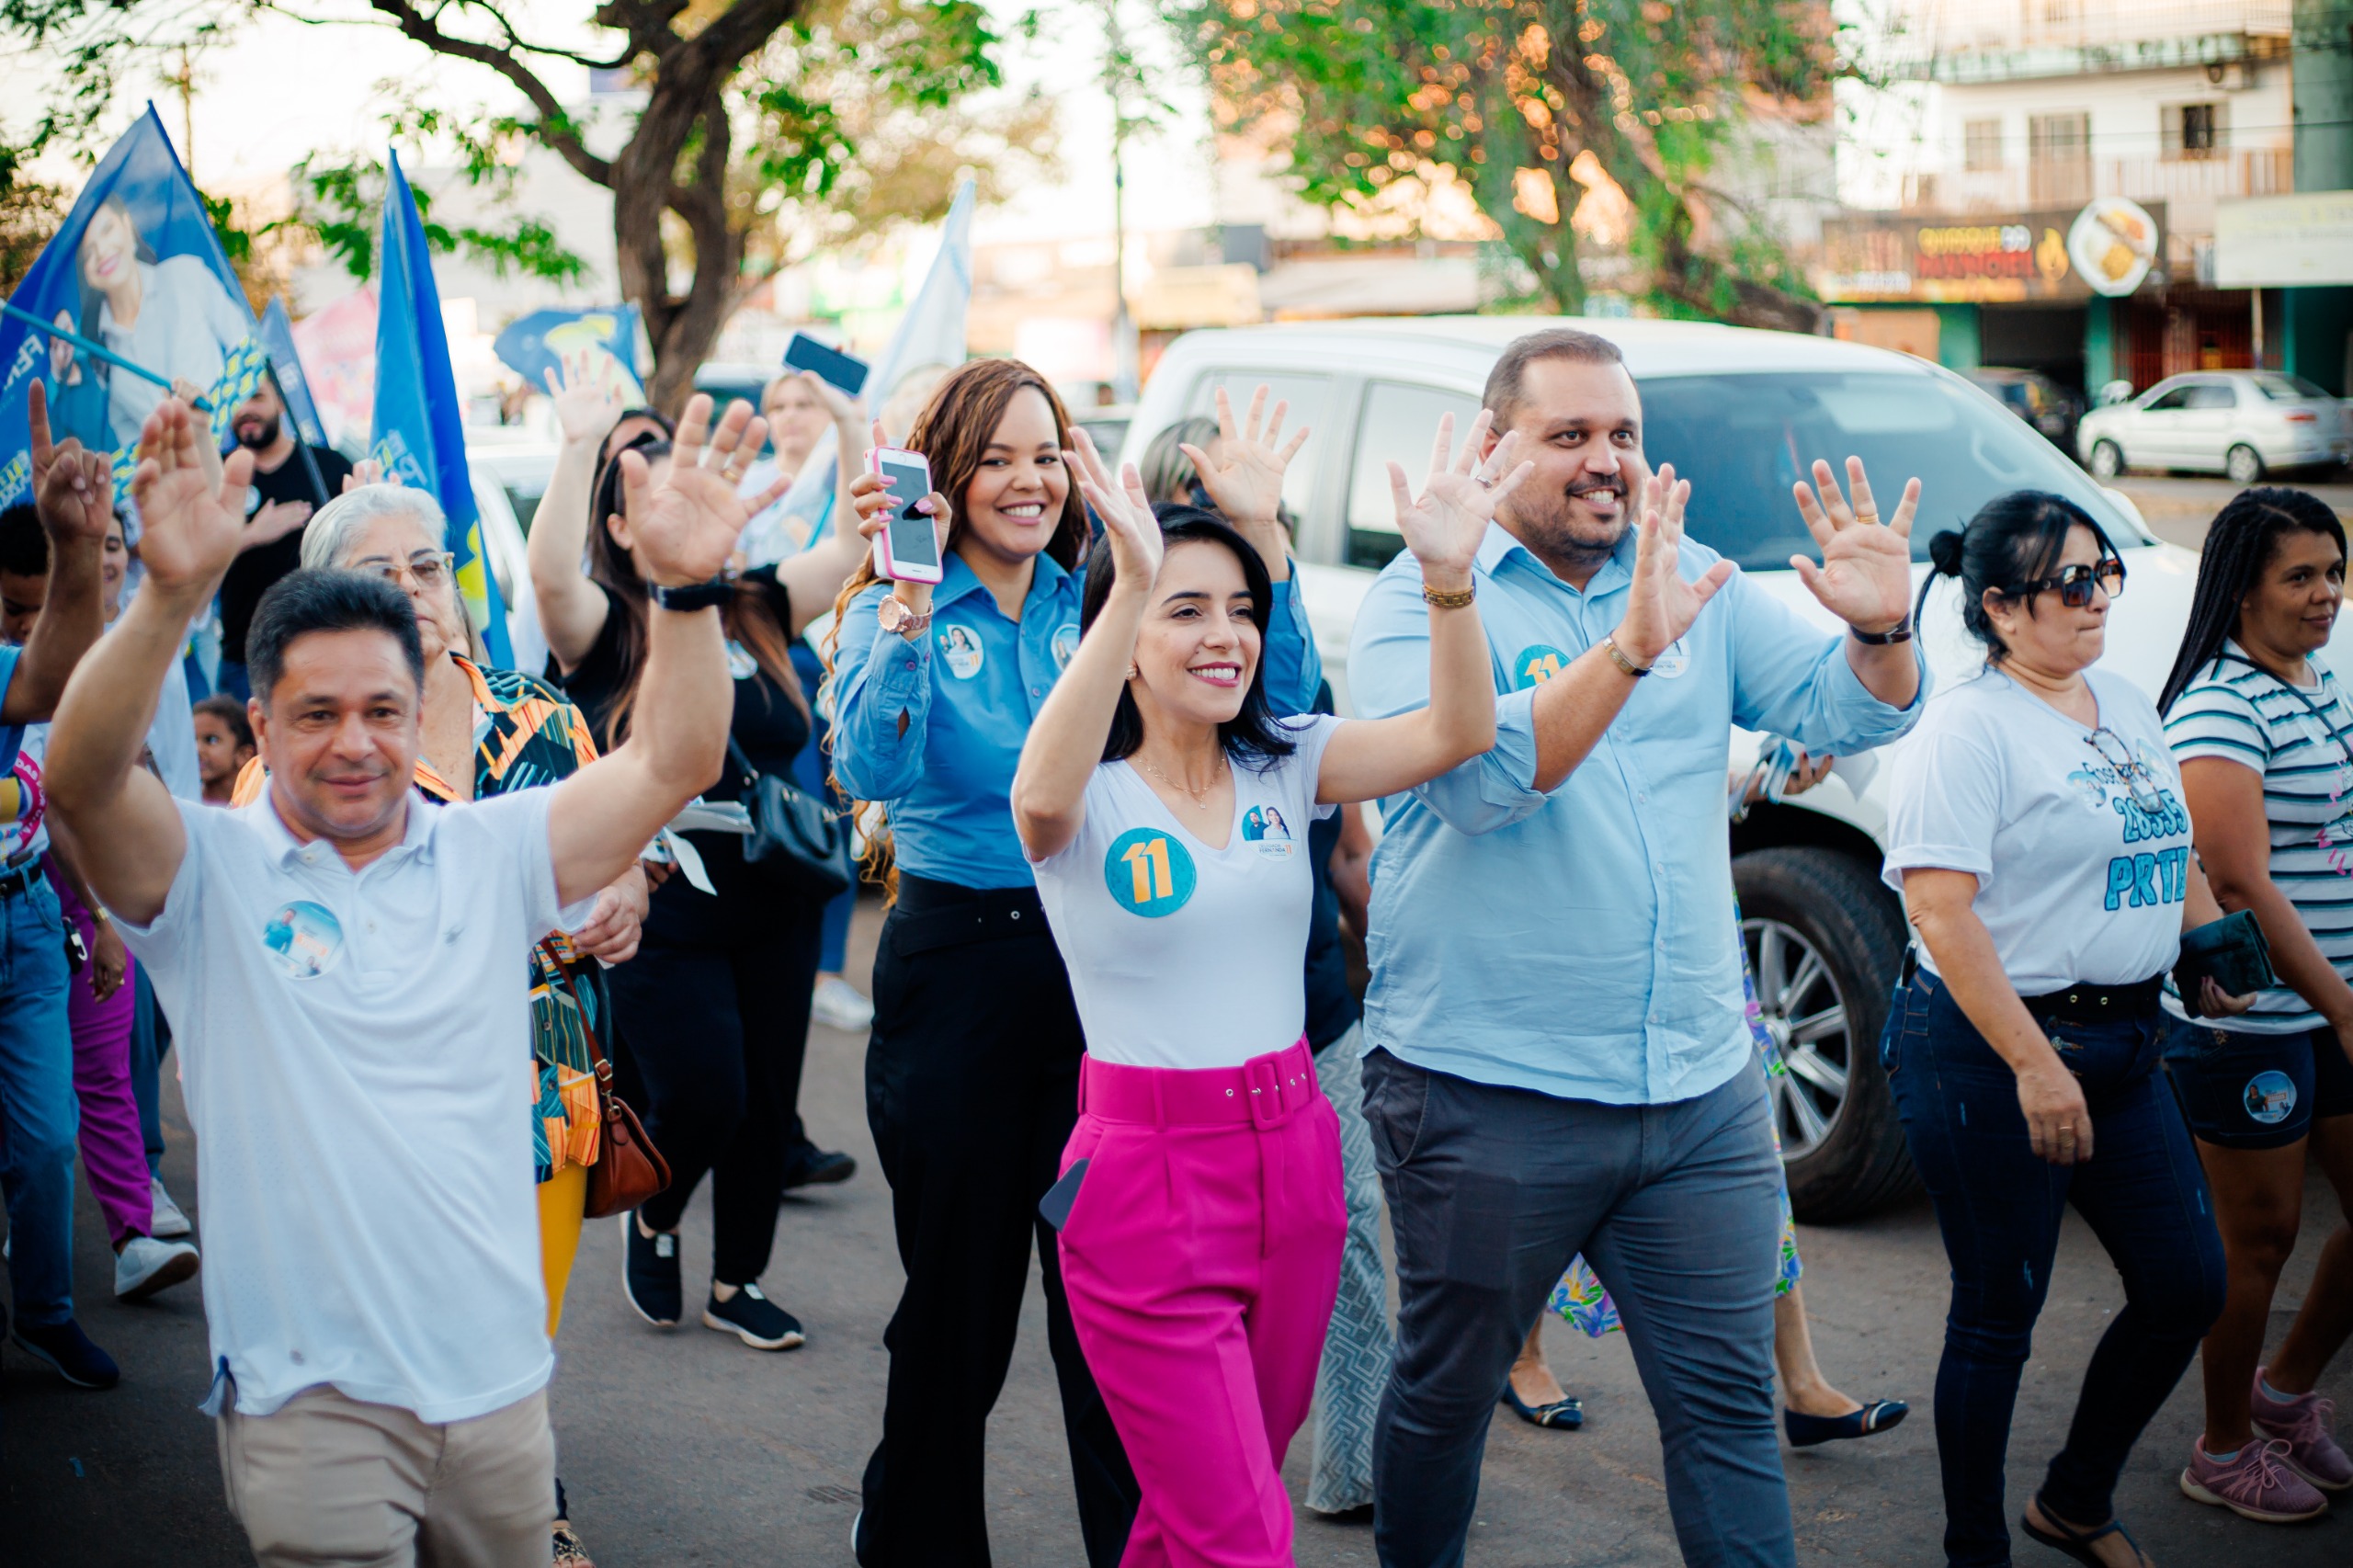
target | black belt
[
  {"x": 2098, "y": 1003},
  {"x": 932, "y": 913},
  {"x": 23, "y": 878}
]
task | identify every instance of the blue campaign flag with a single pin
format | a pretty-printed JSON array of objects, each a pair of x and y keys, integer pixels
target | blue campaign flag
[
  {"x": 137, "y": 248},
  {"x": 533, "y": 345},
  {"x": 277, "y": 335},
  {"x": 419, "y": 432}
]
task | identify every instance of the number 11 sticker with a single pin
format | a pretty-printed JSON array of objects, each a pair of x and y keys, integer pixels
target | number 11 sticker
[{"x": 1148, "y": 872}]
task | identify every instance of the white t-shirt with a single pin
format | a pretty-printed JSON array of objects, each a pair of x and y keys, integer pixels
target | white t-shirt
[
  {"x": 1181, "y": 955},
  {"x": 2079, "y": 841},
  {"x": 352, "y": 1051}
]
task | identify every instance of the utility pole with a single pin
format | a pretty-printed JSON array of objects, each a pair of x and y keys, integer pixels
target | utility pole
[
  {"x": 185, "y": 81},
  {"x": 1117, "y": 72}
]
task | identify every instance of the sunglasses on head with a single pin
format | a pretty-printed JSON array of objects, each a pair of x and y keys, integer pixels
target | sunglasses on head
[{"x": 2075, "y": 584}]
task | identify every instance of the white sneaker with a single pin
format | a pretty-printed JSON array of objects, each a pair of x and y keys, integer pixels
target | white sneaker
[
  {"x": 840, "y": 1004},
  {"x": 146, "y": 1266},
  {"x": 168, "y": 1221}
]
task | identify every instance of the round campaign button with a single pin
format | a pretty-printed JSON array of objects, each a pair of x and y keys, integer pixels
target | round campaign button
[
  {"x": 962, "y": 650},
  {"x": 305, "y": 939},
  {"x": 1148, "y": 872},
  {"x": 1536, "y": 664},
  {"x": 1672, "y": 663},
  {"x": 1264, "y": 830},
  {"x": 2270, "y": 1097},
  {"x": 1065, "y": 645}
]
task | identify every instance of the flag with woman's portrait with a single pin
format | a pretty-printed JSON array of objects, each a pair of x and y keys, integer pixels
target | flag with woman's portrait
[{"x": 144, "y": 300}]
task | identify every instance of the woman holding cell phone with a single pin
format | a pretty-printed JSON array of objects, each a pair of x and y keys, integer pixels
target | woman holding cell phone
[
  {"x": 1156, "y": 800},
  {"x": 971, "y": 1071}
]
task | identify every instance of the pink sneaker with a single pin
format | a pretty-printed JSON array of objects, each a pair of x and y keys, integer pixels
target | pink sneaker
[
  {"x": 2253, "y": 1485},
  {"x": 2304, "y": 1423}
]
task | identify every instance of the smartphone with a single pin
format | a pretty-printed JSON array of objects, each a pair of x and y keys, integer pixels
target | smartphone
[
  {"x": 846, "y": 371},
  {"x": 908, "y": 550}
]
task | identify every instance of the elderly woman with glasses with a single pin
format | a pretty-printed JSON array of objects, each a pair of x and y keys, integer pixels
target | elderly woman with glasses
[
  {"x": 2038, "y": 836},
  {"x": 488, "y": 731}
]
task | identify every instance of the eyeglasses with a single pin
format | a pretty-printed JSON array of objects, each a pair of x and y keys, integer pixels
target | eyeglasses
[
  {"x": 2075, "y": 583},
  {"x": 428, "y": 569},
  {"x": 2130, "y": 770}
]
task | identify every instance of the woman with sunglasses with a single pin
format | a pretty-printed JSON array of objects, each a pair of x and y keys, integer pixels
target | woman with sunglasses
[
  {"x": 2037, "y": 834},
  {"x": 972, "y": 1073},
  {"x": 2265, "y": 741},
  {"x": 1156, "y": 801}
]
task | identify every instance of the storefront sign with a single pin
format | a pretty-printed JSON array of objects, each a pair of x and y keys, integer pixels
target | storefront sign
[
  {"x": 2269, "y": 241},
  {"x": 2109, "y": 247}
]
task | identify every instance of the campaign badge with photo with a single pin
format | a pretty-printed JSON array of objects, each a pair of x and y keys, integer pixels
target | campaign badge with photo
[
  {"x": 2270, "y": 1097},
  {"x": 960, "y": 649},
  {"x": 305, "y": 937},
  {"x": 1065, "y": 645},
  {"x": 1673, "y": 662},
  {"x": 1149, "y": 873},
  {"x": 1264, "y": 830}
]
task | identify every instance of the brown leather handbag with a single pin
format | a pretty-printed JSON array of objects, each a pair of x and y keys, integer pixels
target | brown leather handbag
[{"x": 629, "y": 1168}]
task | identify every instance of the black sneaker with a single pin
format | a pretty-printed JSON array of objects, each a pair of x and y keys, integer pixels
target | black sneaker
[
  {"x": 753, "y": 1319},
  {"x": 649, "y": 1274},
  {"x": 811, "y": 1167},
  {"x": 64, "y": 1347}
]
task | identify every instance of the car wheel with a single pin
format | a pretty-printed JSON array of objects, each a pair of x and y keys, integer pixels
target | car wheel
[
  {"x": 2108, "y": 459},
  {"x": 2243, "y": 464},
  {"x": 1825, "y": 940}
]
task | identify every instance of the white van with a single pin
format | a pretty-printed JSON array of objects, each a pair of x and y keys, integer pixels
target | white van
[{"x": 1742, "y": 415}]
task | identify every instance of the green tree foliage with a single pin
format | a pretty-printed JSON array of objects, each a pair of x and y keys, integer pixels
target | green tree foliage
[
  {"x": 757, "y": 130},
  {"x": 1370, "y": 92}
]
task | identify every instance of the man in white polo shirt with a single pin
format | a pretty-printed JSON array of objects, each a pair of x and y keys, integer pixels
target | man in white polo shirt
[{"x": 339, "y": 958}]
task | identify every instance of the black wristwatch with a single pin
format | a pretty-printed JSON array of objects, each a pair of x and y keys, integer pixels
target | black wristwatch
[
  {"x": 710, "y": 594},
  {"x": 1900, "y": 632}
]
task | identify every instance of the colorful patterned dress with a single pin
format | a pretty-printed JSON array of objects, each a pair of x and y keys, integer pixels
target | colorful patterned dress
[
  {"x": 1580, "y": 1298},
  {"x": 526, "y": 735}
]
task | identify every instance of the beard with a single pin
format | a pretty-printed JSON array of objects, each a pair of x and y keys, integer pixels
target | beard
[
  {"x": 1559, "y": 533},
  {"x": 257, "y": 432}
]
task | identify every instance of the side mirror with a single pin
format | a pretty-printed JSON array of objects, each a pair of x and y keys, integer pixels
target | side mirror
[{"x": 2114, "y": 393}]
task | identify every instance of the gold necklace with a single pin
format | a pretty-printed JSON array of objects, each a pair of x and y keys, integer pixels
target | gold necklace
[{"x": 1199, "y": 803}]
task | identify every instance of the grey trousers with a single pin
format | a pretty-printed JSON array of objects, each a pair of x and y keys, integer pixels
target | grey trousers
[
  {"x": 1677, "y": 1209},
  {"x": 1357, "y": 1351}
]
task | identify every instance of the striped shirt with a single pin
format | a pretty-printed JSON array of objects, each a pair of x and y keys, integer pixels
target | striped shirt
[{"x": 2301, "y": 743}]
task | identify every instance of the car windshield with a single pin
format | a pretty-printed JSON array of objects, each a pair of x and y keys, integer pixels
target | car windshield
[
  {"x": 1743, "y": 441},
  {"x": 2281, "y": 388}
]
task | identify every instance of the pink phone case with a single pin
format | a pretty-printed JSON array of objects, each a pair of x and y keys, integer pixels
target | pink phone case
[{"x": 886, "y": 565}]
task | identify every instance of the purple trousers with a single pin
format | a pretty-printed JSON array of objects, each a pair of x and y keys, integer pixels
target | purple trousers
[{"x": 114, "y": 1149}]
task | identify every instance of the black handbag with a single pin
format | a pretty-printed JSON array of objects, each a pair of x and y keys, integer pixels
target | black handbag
[{"x": 805, "y": 841}]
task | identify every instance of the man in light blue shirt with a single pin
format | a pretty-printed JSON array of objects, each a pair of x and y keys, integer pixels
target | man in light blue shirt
[{"x": 1558, "y": 1058}]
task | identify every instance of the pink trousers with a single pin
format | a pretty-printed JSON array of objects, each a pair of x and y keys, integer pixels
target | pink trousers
[
  {"x": 114, "y": 1150},
  {"x": 1201, "y": 1258}
]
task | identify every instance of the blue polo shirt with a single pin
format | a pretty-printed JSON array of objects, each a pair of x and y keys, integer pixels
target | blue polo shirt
[
  {"x": 1580, "y": 943},
  {"x": 935, "y": 727}
]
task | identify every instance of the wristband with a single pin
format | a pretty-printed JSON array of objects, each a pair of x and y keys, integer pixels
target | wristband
[
  {"x": 1900, "y": 632},
  {"x": 693, "y": 596},
  {"x": 1460, "y": 599},
  {"x": 1617, "y": 657}
]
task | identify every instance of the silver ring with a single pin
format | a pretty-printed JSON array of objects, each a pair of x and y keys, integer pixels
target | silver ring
[{"x": 1484, "y": 481}]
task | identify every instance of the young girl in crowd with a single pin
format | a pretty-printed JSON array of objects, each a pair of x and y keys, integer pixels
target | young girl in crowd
[
  {"x": 2265, "y": 741},
  {"x": 224, "y": 744},
  {"x": 972, "y": 1073},
  {"x": 1156, "y": 799},
  {"x": 2037, "y": 834}
]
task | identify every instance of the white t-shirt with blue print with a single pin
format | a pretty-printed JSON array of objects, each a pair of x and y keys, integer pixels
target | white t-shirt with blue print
[{"x": 2078, "y": 838}]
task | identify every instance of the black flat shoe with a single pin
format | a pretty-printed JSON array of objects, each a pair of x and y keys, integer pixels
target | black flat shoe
[
  {"x": 813, "y": 1166},
  {"x": 1360, "y": 1514},
  {"x": 2077, "y": 1544},
  {"x": 1561, "y": 1415},
  {"x": 1878, "y": 1415}
]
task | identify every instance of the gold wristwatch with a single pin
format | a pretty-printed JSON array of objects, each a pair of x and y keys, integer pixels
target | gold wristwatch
[{"x": 896, "y": 616}]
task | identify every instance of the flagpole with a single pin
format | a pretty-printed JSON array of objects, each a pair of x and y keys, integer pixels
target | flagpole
[
  {"x": 309, "y": 463},
  {"x": 97, "y": 349}
]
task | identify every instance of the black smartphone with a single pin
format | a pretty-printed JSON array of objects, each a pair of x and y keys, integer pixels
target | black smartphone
[
  {"x": 1054, "y": 1207},
  {"x": 846, "y": 371}
]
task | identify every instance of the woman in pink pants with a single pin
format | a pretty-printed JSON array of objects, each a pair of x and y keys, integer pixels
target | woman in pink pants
[{"x": 1165, "y": 811}]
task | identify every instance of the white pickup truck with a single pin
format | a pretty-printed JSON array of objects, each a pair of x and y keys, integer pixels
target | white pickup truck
[{"x": 1742, "y": 415}]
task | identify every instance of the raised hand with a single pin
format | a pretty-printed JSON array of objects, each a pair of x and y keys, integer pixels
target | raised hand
[
  {"x": 686, "y": 527},
  {"x": 191, "y": 524},
  {"x": 1865, "y": 577},
  {"x": 586, "y": 403},
  {"x": 1244, "y": 479},
  {"x": 73, "y": 487},
  {"x": 1443, "y": 527},
  {"x": 843, "y": 408},
  {"x": 364, "y": 472},
  {"x": 1126, "y": 510},
  {"x": 1660, "y": 605}
]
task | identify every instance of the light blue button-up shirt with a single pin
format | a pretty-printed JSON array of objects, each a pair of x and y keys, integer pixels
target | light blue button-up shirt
[
  {"x": 935, "y": 727},
  {"x": 1581, "y": 943}
]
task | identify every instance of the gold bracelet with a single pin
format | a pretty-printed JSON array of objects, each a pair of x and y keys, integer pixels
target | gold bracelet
[
  {"x": 1617, "y": 657},
  {"x": 1458, "y": 600}
]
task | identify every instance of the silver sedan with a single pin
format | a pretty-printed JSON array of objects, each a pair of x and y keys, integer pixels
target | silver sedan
[{"x": 2244, "y": 424}]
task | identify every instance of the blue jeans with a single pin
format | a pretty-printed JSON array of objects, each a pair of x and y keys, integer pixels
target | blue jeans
[
  {"x": 42, "y": 1118},
  {"x": 1678, "y": 1207},
  {"x": 1998, "y": 1205}
]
